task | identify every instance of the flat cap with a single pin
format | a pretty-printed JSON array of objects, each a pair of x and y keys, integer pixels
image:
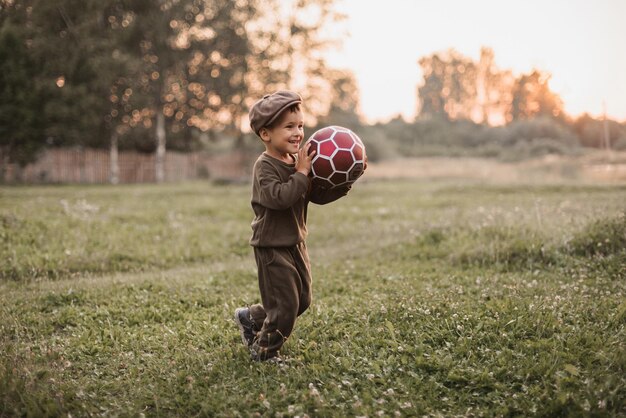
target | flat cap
[{"x": 266, "y": 110}]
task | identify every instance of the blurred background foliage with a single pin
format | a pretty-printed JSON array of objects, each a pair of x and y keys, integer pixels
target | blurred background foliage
[{"x": 149, "y": 74}]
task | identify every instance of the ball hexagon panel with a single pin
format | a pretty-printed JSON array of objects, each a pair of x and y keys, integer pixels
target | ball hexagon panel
[
  {"x": 343, "y": 160},
  {"x": 356, "y": 138},
  {"x": 327, "y": 148},
  {"x": 323, "y": 167},
  {"x": 324, "y": 133},
  {"x": 338, "y": 178},
  {"x": 343, "y": 140},
  {"x": 357, "y": 151},
  {"x": 355, "y": 172},
  {"x": 314, "y": 146}
]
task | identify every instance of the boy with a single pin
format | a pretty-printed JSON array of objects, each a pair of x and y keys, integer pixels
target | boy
[{"x": 281, "y": 191}]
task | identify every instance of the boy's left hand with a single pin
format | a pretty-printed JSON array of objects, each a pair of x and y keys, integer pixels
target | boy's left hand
[{"x": 305, "y": 159}]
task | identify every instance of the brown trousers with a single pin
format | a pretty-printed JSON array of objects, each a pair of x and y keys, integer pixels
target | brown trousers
[{"x": 285, "y": 285}]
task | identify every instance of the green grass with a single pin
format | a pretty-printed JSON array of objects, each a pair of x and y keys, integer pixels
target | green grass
[{"x": 430, "y": 298}]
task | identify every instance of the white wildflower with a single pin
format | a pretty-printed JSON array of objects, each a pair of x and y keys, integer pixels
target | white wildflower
[{"x": 313, "y": 390}]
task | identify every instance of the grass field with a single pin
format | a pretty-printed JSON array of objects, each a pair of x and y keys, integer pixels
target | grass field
[{"x": 430, "y": 298}]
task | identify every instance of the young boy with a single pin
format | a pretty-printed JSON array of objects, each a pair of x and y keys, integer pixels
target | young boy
[{"x": 281, "y": 191}]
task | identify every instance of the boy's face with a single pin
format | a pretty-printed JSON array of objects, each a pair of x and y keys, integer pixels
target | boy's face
[{"x": 286, "y": 135}]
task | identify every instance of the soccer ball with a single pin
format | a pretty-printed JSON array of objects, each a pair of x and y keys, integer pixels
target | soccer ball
[{"x": 339, "y": 159}]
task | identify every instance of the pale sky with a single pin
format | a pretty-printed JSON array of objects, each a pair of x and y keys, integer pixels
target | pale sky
[{"x": 582, "y": 43}]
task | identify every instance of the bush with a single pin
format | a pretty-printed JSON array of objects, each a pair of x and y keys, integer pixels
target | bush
[
  {"x": 440, "y": 137},
  {"x": 602, "y": 238},
  {"x": 534, "y": 148},
  {"x": 378, "y": 146},
  {"x": 540, "y": 128},
  {"x": 620, "y": 144}
]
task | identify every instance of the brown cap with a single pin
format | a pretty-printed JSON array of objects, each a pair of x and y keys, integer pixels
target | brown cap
[{"x": 266, "y": 110}]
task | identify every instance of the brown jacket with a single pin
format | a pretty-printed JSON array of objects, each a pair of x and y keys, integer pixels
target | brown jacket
[{"x": 280, "y": 197}]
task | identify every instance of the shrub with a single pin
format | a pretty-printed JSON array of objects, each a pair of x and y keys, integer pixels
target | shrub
[
  {"x": 539, "y": 128},
  {"x": 601, "y": 238}
]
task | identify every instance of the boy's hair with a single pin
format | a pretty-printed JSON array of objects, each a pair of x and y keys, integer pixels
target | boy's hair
[
  {"x": 293, "y": 109},
  {"x": 267, "y": 110}
]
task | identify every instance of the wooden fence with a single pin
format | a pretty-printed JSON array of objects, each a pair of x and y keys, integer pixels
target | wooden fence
[{"x": 93, "y": 166}]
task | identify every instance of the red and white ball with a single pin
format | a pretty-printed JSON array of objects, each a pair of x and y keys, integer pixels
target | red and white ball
[{"x": 339, "y": 158}]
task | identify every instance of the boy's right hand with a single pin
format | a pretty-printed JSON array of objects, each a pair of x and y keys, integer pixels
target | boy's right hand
[{"x": 305, "y": 159}]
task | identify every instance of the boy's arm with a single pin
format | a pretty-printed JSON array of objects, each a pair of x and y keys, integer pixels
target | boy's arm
[
  {"x": 275, "y": 194},
  {"x": 323, "y": 196}
]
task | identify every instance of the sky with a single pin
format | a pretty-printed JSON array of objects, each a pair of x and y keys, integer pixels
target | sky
[{"x": 582, "y": 43}]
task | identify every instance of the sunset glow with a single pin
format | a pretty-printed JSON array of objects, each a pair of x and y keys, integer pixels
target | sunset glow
[{"x": 577, "y": 41}]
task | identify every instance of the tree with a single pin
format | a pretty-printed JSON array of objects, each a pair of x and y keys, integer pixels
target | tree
[
  {"x": 63, "y": 41},
  {"x": 430, "y": 93},
  {"x": 598, "y": 133},
  {"x": 291, "y": 38},
  {"x": 531, "y": 97},
  {"x": 117, "y": 87},
  {"x": 77, "y": 70},
  {"x": 21, "y": 128},
  {"x": 449, "y": 89},
  {"x": 493, "y": 89},
  {"x": 344, "y": 107},
  {"x": 195, "y": 66},
  {"x": 151, "y": 41},
  {"x": 220, "y": 69}
]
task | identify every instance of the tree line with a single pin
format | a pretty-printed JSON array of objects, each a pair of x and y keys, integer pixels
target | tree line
[{"x": 474, "y": 108}]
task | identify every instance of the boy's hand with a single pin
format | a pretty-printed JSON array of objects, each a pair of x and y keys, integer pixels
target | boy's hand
[{"x": 304, "y": 159}]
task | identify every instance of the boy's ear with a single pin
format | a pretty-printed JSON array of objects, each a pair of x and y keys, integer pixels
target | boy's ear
[{"x": 264, "y": 134}]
